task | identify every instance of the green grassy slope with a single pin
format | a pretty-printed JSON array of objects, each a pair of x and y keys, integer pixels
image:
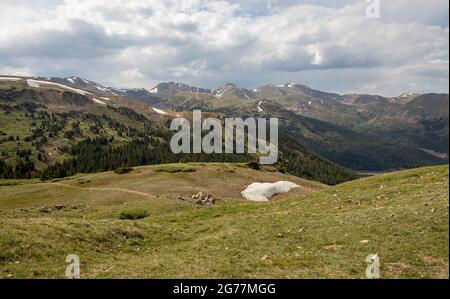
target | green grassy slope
[{"x": 402, "y": 216}]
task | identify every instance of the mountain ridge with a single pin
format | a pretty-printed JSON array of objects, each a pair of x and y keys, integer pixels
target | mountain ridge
[
  {"x": 171, "y": 87},
  {"x": 409, "y": 133}
]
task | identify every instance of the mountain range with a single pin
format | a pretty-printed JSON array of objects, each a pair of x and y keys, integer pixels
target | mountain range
[{"x": 333, "y": 133}]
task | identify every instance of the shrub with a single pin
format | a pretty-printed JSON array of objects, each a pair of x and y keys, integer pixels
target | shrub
[
  {"x": 254, "y": 165},
  {"x": 123, "y": 170},
  {"x": 133, "y": 214}
]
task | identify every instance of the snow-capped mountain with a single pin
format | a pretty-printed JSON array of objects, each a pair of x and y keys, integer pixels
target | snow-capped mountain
[
  {"x": 230, "y": 90},
  {"x": 85, "y": 85}
]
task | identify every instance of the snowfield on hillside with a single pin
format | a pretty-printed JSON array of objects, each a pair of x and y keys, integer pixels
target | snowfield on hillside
[
  {"x": 264, "y": 191},
  {"x": 38, "y": 83},
  {"x": 99, "y": 102},
  {"x": 259, "y": 107},
  {"x": 9, "y": 79},
  {"x": 159, "y": 111}
]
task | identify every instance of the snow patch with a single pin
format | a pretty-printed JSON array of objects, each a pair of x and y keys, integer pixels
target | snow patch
[
  {"x": 264, "y": 191},
  {"x": 154, "y": 90},
  {"x": 159, "y": 111},
  {"x": 71, "y": 80},
  {"x": 99, "y": 102},
  {"x": 220, "y": 94},
  {"x": 9, "y": 79},
  {"x": 245, "y": 94},
  {"x": 105, "y": 98},
  {"x": 259, "y": 107},
  {"x": 100, "y": 88},
  {"x": 38, "y": 83}
]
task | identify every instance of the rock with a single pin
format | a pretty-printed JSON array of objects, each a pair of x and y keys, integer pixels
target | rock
[
  {"x": 364, "y": 241},
  {"x": 60, "y": 207},
  {"x": 44, "y": 210},
  {"x": 209, "y": 200},
  {"x": 198, "y": 196},
  {"x": 204, "y": 200},
  {"x": 265, "y": 257}
]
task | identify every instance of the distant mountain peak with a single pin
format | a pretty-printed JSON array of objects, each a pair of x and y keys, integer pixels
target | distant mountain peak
[
  {"x": 83, "y": 84},
  {"x": 177, "y": 87},
  {"x": 231, "y": 90},
  {"x": 295, "y": 89}
]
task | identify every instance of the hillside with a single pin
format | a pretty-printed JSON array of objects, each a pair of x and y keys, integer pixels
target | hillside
[
  {"x": 417, "y": 122},
  {"x": 352, "y": 148},
  {"x": 324, "y": 232}
]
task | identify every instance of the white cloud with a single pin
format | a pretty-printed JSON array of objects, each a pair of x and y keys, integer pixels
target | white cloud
[
  {"x": 138, "y": 43},
  {"x": 12, "y": 71}
]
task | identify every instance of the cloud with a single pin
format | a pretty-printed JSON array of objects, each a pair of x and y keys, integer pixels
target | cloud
[
  {"x": 16, "y": 71},
  {"x": 249, "y": 42}
]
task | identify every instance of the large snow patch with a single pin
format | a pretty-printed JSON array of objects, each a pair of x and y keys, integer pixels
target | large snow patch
[
  {"x": 159, "y": 111},
  {"x": 264, "y": 191},
  {"x": 38, "y": 83},
  {"x": 9, "y": 79},
  {"x": 99, "y": 102}
]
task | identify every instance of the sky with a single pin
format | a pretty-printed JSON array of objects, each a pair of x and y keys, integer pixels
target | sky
[{"x": 329, "y": 45}]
